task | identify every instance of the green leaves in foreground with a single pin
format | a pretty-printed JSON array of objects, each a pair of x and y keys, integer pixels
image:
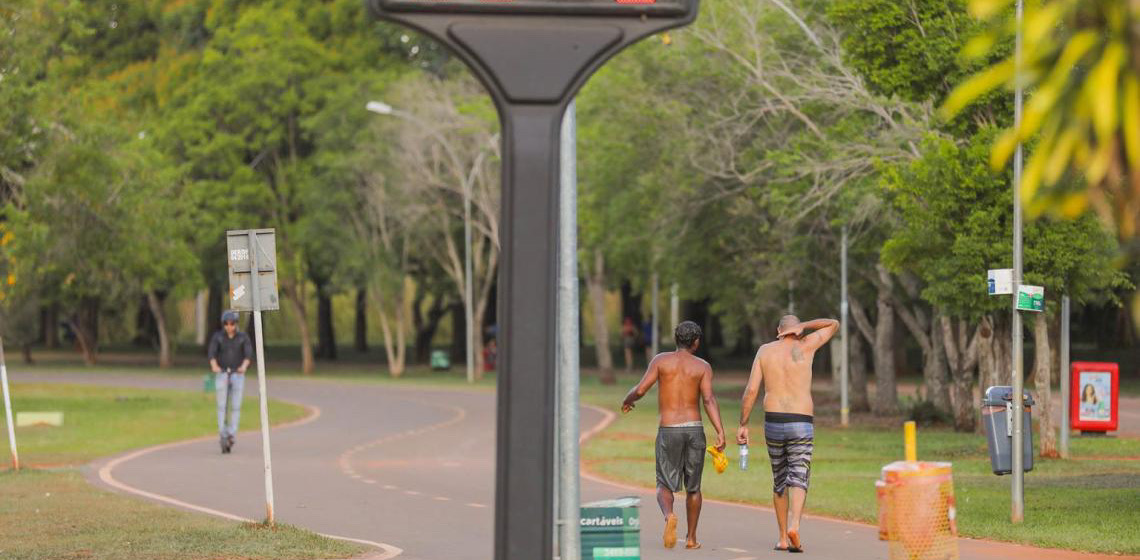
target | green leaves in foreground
[{"x": 1081, "y": 70}]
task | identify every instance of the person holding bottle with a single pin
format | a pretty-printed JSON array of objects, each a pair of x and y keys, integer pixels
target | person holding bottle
[{"x": 784, "y": 368}]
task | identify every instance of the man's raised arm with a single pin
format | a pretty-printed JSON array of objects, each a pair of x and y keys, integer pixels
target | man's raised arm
[
  {"x": 824, "y": 330},
  {"x": 748, "y": 400},
  {"x": 641, "y": 388}
]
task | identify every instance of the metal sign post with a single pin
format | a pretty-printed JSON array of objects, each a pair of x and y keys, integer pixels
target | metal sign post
[
  {"x": 253, "y": 269},
  {"x": 1066, "y": 377},
  {"x": 1017, "y": 486},
  {"x": 532, "y": 56},
  {"x": 8, "y": 409},
  {"x": 844, "y": 407}
]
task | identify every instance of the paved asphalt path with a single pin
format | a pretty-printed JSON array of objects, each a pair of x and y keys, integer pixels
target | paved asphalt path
[{"x": 414, "y": 468}]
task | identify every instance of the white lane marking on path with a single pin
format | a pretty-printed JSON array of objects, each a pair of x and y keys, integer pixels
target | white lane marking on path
[
  {"x": 106, "y": 475},
  {"x": 369, "y": 481},
  {"x": 411, "y": 492},
  {"x": 390, "y": 487},
  {"x": 736, "y": 550},
  {"x": 442, "y": 499},
  {"x": 474, "y": 505},
  {"x": 744, "y": 557}
]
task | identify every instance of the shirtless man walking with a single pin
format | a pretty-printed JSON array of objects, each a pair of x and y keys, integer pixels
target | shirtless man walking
[
  {"x": 686, "y": 381},
  {"x": 784, "y": 367}
]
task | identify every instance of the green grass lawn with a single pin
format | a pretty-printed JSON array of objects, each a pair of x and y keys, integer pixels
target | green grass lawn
[
  {"x": 56, "y": 514},
  {"x": 1096, "y": 493},
  {"x": 101, "y": 421}
]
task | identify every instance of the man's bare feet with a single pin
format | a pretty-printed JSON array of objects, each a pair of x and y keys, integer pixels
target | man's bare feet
[
  {"x": 670, "y": 530},
  {"x": 691, "y": 544},
  {"x": 794, "y": 541}
]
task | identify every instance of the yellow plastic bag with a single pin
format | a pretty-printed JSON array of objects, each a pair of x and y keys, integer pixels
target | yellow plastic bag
[{"x": 719, "y": 459}]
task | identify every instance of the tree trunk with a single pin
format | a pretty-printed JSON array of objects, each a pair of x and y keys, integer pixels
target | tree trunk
[
  {"x": 458, "y": 334},
  {"x": 393, "y": 333},
  {"x": 596, "y": 286},
  {"x": 425, "y": 329},
  {"x": 857, "y": 398},
  {"x": 213, "y": 310},
  {"x": 360, "y": 344},
  {"x": 165, "y": 355},
  {"x": 935, "y": 374},
  {"x": 1042, "y": 376},
  {"x": 836, "y": 368},
  {"x": 326, "y": 335},
  {"x": 296, "y": 297},
  {"x": 962, "y": 356},
  {"x": 886, "y": 388},
  {"x": 27, "y": 350},
  {"x": 50, "y": 320}
]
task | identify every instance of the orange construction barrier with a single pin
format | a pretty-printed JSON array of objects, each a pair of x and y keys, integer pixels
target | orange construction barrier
[{"x": 916, "y": 511}]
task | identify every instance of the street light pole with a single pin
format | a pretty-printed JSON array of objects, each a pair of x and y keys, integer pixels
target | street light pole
[
  {"x": 844, "y": 409},
  {"x": 382, "y": 108},
  {"x": 1017, "y": 510}
]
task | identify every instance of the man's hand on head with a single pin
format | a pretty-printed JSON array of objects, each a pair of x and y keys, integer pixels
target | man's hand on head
[{"x": 796, "y": 330}]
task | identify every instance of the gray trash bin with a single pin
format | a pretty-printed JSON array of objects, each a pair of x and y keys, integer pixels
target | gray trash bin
[
  {"x": 611, "y": 530},
  {"x": 996, "y": 415}
]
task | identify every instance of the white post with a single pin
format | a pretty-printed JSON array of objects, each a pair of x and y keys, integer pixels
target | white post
[
  {"x": 1066, "y": 376},
  {"x": 1017, "y": 487},
  {"x": 844, "y": 409},
  {"x": 8, "y": 409},
  {"x": 655, "y": 329},
  {"x": 674, "y": 305},
  {"x": 254, "y": 251},
  {"x": 201, "y": 322},
  {"x": 568, "y": 495}
]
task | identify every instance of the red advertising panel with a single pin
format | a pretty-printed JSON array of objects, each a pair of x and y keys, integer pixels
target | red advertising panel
[{"x": 1094, "y": 396}]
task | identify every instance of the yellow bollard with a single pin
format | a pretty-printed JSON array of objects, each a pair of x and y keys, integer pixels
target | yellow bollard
[{"x": 910, "y": 441}]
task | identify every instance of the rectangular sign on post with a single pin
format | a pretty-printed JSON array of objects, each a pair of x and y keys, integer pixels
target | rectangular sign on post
[
  {"x": 252, "y": 258},
  {"x": 1000, "y": 281},
  {"x": 239, "y": 259},
  {"x": 1030, "y": 298},
  {"x": 1094, "y": 399}
]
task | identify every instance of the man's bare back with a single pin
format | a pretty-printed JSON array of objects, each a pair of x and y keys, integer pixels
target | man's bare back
[
  {"x": 680, "y": 375},
  {"x": 784, "y": 367}
]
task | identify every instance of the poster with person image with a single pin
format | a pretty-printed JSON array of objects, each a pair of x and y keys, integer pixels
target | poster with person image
[{"x": 1095, "y": 396}]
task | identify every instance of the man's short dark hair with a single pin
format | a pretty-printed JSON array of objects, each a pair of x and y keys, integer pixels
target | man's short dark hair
[{"x": 687, "y": 334}]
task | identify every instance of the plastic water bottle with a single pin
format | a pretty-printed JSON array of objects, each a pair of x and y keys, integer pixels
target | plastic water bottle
[{"x": 743, "y": 457}]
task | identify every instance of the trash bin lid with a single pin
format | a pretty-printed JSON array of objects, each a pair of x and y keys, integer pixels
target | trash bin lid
[
  {"x": 625, "y": 502},
  {"x": 998, "y": 395}
]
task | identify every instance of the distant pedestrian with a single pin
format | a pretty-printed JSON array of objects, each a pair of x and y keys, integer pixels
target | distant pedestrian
[
  {"x": 685, "y": 383},
  {"x": 230, "y": 352},
  {"x": 784, "y": 368},
  {"x": 628, "y": 341}
]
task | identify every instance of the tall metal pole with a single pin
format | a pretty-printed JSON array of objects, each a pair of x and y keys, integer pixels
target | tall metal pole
[
  {"x": 8, "y": 409},
  {"x": 844, "y": 409},
  {"x": 656, "y": 320},
  {"x": 468, "y": 289},
  {"x": 1017, "y": 511},
  {"x": 568, "y": 342},
  {"x": 1066, "y": 377},
  {"x": 254, "y": 281}
]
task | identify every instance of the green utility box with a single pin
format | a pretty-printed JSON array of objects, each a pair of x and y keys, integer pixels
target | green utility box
[
  {"x": 611, "y": 530},
  {"x": 440, "y": 360}
]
